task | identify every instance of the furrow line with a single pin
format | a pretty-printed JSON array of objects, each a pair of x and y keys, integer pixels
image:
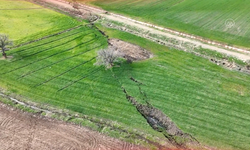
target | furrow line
[
  {"x": 34, "y": 71},
  {"x": 64, "y": 72},
  {"x": 45, "y": 58},
  {"x": 92, "y": 72}
]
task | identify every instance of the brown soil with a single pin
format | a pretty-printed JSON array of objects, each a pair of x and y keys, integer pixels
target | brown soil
[
  {"x": 19, "y": 130},
  {"x": 8, "y": 57},
  {"x": 131, "y": 52}
]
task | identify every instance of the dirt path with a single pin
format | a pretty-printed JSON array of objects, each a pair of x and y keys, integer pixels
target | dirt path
[
  {"x": 235, "y": 52},
  {"x": 20, "y": 130}
]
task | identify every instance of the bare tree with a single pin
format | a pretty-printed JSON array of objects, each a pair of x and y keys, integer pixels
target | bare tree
[
  {"x": 5, "y": 42},
  {"x": 107, "y": 57}
]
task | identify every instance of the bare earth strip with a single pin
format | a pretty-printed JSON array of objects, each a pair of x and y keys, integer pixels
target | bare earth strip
[
  {"x": 19, "y": 130},
  {"x": 240, "y": 54}
]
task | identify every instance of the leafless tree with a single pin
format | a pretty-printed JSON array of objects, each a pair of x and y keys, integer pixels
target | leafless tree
[
  {"x": 5, "y": 42},
  {"x": 107, "y": 57}
]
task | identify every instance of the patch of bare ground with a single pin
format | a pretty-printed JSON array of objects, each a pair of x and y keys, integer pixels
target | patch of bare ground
[
  {"x": 69, "y": 8},
  {"x": 8, "y": 58},
  {"x": 130, "y": 51},
  {"x": 19, "y": 130}
]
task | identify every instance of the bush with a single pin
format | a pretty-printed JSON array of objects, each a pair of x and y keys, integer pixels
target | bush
[{"x": 108, "y": 57}]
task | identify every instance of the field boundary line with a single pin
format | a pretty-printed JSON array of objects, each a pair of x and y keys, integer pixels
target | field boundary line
[
  {"x": 47, "y": 49},
  {"x": 24, "y": 104},
  {"x": 54, "y": 77},
  {"x": 185, "y": 35},
  {"x": 51, "y": 41},
  {"x": 83, "y": 77},
  {"x": 191, "y": 36},
  {"x": 48, "y": 36},
  {"x": 46, "y": 57},
  {"x": 31, "y": 72},
  {"x": 236, "y": 52},
  {"x": 56, "y": 111}
]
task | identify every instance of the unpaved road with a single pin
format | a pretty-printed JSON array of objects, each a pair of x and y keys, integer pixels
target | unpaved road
[
  {"x": 240, "y": 54},
  {"x": 23, "y": 131}
]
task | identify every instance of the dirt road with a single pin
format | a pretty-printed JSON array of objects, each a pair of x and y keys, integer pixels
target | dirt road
[
  {"x": 235, "y": 52},
  {"x": 24, "y": 131}
]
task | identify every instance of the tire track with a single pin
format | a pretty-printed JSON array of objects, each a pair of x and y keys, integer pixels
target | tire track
[
  {"x": 46, "y": 37},
  {"x": 64, "y": 72},
  {"x": 58, "y": 45},
  {"x": 92, "y": 141},
  {"x": 69, "y": 145},
  {"x": 46, "y": 57},
  {"x": 6, "y": 122},
  {"x": 49, "y": 42},
  {"x": 31, "y": 135},
  {"x": 127, "y": 146},
  {"x": 73, "y": 82},
  {"x": 34, "y": 71}
]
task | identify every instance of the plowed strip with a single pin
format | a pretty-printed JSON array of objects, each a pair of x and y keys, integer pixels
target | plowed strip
[{"x": 32, "y": 132}]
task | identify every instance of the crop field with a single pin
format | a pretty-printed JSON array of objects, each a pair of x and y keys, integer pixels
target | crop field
[
  {"x": 202, "y": 98},
  {"x": 29, "y": 21},
  {"x": 59, "y": 71},
  {"x": 206, "y": 100},
  {"x": 221, "y": 20}
]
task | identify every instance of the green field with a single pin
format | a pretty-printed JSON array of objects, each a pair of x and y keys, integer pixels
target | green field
[
  {"x": 203, "y": 18},
  {"x": 29, "y": 21},
  {"x": 59, "y": 71},
  {"x": 203, "y": 99}
]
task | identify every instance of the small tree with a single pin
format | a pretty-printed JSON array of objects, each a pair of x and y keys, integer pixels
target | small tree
[
  {"x": 107, "y": 57},
  {"x": 5, "y": 42}
]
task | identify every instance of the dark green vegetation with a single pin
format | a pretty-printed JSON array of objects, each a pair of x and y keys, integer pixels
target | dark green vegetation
[{"x": 204, "y": 18}]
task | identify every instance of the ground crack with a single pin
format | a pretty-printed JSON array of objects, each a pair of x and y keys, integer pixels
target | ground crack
[{"x": 161, "y": 122}]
